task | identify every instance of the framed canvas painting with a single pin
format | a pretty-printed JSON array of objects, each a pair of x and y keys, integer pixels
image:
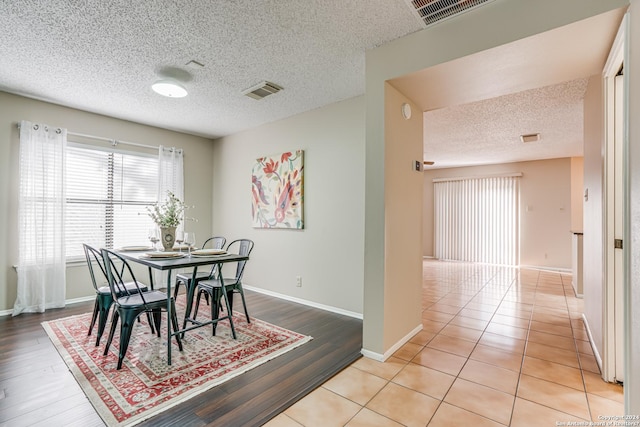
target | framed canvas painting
[{"x": 277, "y": 191}]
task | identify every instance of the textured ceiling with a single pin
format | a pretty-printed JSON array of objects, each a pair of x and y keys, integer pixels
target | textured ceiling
[{"x": 102, "y": 56}]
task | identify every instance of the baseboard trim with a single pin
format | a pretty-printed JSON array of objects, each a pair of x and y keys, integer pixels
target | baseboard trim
[
  {"x": 305, "y": 302},
  {"x": 387, "y": 354},
  {"x": 593, "y": 347},
  {"x": 542, "y": 268},
  {"x": 66, "y": 302}
]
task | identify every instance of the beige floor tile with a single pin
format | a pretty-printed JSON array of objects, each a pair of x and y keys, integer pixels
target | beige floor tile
[
  {"x": 408, "y": 351},
  {"x": 490, "y": 376},
  {"x": 581, "y": 334},
  {"x": 528, "y": 414},
  {"x": 437, "y": 316},
  {"x": 514, "y": 312},
  {"x": 469, "y": 334},
  {"x": 554, "y": 395},
  {"x": 589, "y": 363},
  {"x": 497, "y": 357},
  {"x": 282, "y": 420},
  {"x": 387, "y": 369},
  {"x": 551, "y": 328},
  {"x": 481, "y": 400},
  {"x": 453, "y": 345},
  {"x": 368, "y": 418},
  {"x": 445, "y": 308},
  {"x": 441, "y": 361},
  {"x": 507, "y": 330},
  {"x": 475, "y": 314},
  {"x": 312, "y": 410},
  {"x": 565, "y": 343},
  {"x": 425, "y": 380},
  {"x": 502, "y": 342},
  {"x": 485, "y": 307},
  {"x": 408, "y": 407},
  {"x": 451, "y": 416},
  {"x": 518, "y": 322},
  {"x": 596, "y": 385},
  {"x": 422, "y": 338},
  {"x": 601, "y": 407},
  {"x": 356, "y": 385},
  {"x": 553, "y": 354},
  {"x": 584, "y": 347},
  {"x": 468, "y": 322},
  {"x": 553, "y": 372},
  {"x": 432, "y": 325}
]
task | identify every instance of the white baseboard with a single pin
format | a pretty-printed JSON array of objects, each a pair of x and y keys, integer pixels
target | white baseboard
[
  {"x": 543, "y": 268},
  {"x": 593, "y": 347},
  {"x": 382, "y": 357},
  {"x": 66, "y": 302},
  {"x": 305, "y": 302}
]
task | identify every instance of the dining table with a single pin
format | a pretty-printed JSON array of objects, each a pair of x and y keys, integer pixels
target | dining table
[{"x": 183, "y": 261}]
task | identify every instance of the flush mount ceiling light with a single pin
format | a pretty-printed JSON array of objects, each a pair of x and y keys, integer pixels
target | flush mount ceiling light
[
  {"x": 169, "y": 88},
  {"x": 531, "y": 137}
]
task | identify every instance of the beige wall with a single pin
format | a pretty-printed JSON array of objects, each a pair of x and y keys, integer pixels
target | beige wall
[
  {"x": 545, "y": 208},
  {"x": 440, "y": 43},
  {"x": 577, "y": 193},
  {"x": 593, "y": 268},
  {"x": 328, "y": 252},
  {"x": 197, "y": 165},
  {"x": 403, "y": 220}
]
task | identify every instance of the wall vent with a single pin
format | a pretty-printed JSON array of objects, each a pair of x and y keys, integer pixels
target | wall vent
[
  {"x": 431, "y": 11},
  {"x": 261, "y": 90}
]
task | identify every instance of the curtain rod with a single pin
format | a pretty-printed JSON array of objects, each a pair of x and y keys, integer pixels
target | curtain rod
[
  {"x": 495, "y": 175},
  {"x": 114, "y": 142}
]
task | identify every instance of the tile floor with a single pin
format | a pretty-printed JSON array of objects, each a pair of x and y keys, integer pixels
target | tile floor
[{"x": 500, "y": 347}]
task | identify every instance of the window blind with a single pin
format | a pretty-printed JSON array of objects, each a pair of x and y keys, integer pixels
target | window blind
[
  {"x": 477, "y": 219},
  {"x": 107, "y": 192}
]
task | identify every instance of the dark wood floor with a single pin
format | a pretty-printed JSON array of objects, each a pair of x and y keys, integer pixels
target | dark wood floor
[{"x": 36, "y": 387}]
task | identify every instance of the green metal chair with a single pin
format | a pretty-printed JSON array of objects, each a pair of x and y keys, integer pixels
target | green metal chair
[
  {"x": 131, "y": 305},
  {"x": 104, "y": 300},
  {"x": 215, "y": 290}
]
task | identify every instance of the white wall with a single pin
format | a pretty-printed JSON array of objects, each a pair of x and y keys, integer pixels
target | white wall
[
  {"x": 328, "y": 252},
  {"x": 545, "y": 189},
  {"x": 632, "y": 350},
  {"x": 197, "y": 165},
  {"x": 593, "y": 268}
]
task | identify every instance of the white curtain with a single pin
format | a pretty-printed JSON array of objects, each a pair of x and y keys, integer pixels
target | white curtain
[
  {"x": 170, "y": 178},
  {"x": 477, "y": 219},
  {"x": 41, "y": 234}
]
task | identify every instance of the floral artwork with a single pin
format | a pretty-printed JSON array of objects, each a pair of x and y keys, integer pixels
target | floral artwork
[{"x": 277, "y": 191}]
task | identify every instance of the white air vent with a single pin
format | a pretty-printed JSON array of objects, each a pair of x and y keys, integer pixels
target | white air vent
[
  {"x": 432, "y": 11},
  {"x": 261, "y": 90}
]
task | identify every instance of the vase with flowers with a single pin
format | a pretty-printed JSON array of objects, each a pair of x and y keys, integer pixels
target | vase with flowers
[{"x": 167, "y": 216}]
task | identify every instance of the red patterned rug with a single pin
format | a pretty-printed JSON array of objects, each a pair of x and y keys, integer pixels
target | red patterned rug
[{"x": 146, "y": 385}]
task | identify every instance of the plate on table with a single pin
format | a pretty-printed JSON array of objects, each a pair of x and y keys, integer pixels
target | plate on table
[
  {"x": 163, "y": 255},
  {"x": 135, "y": 248},
  {"x": 208, "y": 252}
]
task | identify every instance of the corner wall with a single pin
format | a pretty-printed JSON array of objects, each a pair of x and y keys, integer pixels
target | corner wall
[{"x": 198, "y": 177}]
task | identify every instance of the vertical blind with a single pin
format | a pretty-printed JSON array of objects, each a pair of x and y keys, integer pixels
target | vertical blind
[
  {"x": 107, "y": 194},
  {"x": 477, "y": 219}
]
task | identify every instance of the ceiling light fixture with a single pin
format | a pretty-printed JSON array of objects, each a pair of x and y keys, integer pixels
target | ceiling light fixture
[
  {"x": 531, "y": 137},
  {"x": 169, "y": 88}
]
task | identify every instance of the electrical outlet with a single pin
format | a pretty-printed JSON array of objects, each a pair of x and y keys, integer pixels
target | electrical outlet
[{"x": 299, "y": 281}]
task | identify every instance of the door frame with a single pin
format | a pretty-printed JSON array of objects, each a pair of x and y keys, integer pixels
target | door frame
[{"x": 611, "y": 69}]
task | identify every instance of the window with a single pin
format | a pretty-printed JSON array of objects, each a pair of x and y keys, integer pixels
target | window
[{"x": 107, "y": 193}]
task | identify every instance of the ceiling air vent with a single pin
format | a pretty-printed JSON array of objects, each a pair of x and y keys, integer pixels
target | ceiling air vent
[
  {"x": 432, "y": 11},
  {"x": 261, "y": 90}
]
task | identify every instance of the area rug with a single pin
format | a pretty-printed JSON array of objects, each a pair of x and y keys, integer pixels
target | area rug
[{"x": 146, "y": 385}]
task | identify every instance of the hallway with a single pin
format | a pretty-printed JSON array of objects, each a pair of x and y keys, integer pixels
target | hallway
[{"x": 500, "y": 347}]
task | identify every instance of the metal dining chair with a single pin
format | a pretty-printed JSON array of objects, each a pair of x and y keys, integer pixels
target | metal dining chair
[
  {"x": 215, "y": 290},
  {"x": 216, "y": 242},
  {"x": 129, "y": 305},
  {"x": 104, "y": 299}
]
